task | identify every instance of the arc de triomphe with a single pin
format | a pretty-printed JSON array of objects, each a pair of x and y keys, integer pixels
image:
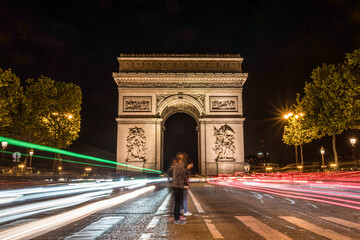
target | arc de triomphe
[{"x": 152, "y": 87}]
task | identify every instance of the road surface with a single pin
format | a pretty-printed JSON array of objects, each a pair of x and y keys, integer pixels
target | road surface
[{"x": 221, "y": 210}]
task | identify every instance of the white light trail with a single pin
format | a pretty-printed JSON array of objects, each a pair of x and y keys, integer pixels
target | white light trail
[{"x": 39, "y": 227}]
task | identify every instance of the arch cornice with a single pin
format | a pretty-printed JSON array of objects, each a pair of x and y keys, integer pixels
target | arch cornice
[{"x": 182, "y": 101}]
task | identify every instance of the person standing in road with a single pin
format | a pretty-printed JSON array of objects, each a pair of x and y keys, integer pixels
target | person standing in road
[
  {"x": 186, "y": 190},
  {"x": 189, "y": 165},
  {"x": 178, "y": 181}
]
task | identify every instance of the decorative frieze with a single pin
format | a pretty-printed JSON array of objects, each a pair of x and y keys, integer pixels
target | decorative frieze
[
  {"x": 136, "y": 144},
  {"x": 223, "y": 103},
  {"x": 224, "y": 143},
  {"x": 180, "y": 63},
  {"x": 137, "y": 104}
]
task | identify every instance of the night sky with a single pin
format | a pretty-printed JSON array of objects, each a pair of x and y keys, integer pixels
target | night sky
[{"x": 281, "y": 42}]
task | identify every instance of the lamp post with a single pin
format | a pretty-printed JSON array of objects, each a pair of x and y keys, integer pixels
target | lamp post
[
  {"x": 3, "y": 145},
  {"x": 322, "y": 151},
  {"x": 31, "y": 152},
  {"x": 353, "y": 142}
]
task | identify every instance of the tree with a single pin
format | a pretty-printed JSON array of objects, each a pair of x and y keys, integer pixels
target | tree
[
  {"x": 54, "y": 111},
  {"x": 11, "y": 97},
  {"x": 331, "y": 101},
  {"x": 54, "y": 118},
  {"x": 297, "y": 132}
]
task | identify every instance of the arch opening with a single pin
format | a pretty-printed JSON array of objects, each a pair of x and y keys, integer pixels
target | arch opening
[{"x": 180, "y": 135}]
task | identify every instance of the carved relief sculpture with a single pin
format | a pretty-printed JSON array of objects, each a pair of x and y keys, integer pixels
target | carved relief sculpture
[
  {"x": 225, "y": 143},
  {"x": 137, "y": 104},
  {"x": 136, "y": 144},
  {"x": 223, "y": 104}
]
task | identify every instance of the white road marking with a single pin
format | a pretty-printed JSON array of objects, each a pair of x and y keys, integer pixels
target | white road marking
[
  {"x": 315, "y": 229},
  {"x": 262, "y": 229},
  {"x": 153, "y": 222},
  {"x": 342, "y": 222},
  {"x": 268, "y": 196},
  {"x": 145, "y": 236},
  {"x": 196, "y": 203},
  {"x": 163, "y": 207},
  {"x": 39, "y": 227},
  {"x": 95, "y": 229},
  {"x": 209, "y": 224},
  {"x": 291, "y": 201},
  {"x": 258, "y": 196},
  {"x": 312, "y": 205},
  {"x": 212, "y": 229}
]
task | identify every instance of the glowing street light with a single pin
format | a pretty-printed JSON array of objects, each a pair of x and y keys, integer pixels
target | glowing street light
[
  {"x": 353, "y": 142},
  {"x": 70, "y": 116},
  {"x": 300, "y": 167},
  {"x": 60, "y": 168},
  {"x": 333, "y": 165},
  {"x": 322, "y": 151},
  {"x": 4, "y": 145},
  {"x": 31, "y": 153}
]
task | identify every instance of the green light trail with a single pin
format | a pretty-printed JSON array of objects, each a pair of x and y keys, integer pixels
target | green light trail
[
  {"x": 72, "y": 154},
  {"x": 58, "y": 159}
]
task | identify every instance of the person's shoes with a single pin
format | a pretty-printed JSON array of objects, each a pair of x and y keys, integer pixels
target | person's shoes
[
  {"x": 182, "y": 218},
  {"x": 187, "y": 214},
  {"x": 179, "y": 222}
]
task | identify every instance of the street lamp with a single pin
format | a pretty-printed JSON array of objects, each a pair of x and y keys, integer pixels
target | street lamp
[
  {"x": 31, "y": 152},
  {"x": 322, "y": 151},
  {"x": 353, "y": 142},
  {"x": 4, "y": 145}
]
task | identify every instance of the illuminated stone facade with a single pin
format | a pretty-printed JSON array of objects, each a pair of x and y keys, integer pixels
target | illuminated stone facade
[{"x": 207, "y": 87}]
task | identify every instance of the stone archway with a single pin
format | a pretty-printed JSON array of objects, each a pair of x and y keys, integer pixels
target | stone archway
[
  {"x": 207, "y": 87},
  {"x": 180, "y": 135}
]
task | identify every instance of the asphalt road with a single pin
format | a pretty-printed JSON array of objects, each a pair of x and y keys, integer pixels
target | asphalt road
[{"x": 219, "y": 212}]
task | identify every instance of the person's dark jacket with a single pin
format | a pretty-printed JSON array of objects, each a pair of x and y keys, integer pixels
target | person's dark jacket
[{"x": 179, "y": 175}]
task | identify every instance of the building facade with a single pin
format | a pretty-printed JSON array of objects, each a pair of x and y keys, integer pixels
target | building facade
[{"x": 152, "y": 87}]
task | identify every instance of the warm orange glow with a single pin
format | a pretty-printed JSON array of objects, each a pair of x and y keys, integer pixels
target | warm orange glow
[{"x": 286, "y": 116}]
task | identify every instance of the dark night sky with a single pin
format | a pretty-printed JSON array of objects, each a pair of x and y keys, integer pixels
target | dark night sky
[{"x": 78, "y": 41}]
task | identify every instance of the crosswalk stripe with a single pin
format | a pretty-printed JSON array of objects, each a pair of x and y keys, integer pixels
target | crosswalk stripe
[
  {"x": 315, "y": 229},
  {"x": 145, "y": 236},
  {"x": 95, "y": 229},
  {"x": 153, "y": 222},
  {"x": 342, "y": 222},
  {"x": 262, "y": 229}
]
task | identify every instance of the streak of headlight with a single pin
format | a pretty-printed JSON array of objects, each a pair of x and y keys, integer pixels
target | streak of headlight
[
  {"x": 18, "y": 195},
  {"x": 64, "y": 152},
  {"x": 14, "y": 213},
  {"x": 36, "y": 228}
]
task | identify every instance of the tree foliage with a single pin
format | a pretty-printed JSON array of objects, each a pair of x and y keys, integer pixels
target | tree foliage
[
  {"x": 331, "y": 101},
  {"x": 45, "y": 112},
  {"x": 11, "y": 97},
  {"x": 54, "y": 111}
]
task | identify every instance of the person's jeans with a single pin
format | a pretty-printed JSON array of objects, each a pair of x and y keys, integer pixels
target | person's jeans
[
  {"x": 178, "y": 194},
  {"x": 185, "y": 202}
]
